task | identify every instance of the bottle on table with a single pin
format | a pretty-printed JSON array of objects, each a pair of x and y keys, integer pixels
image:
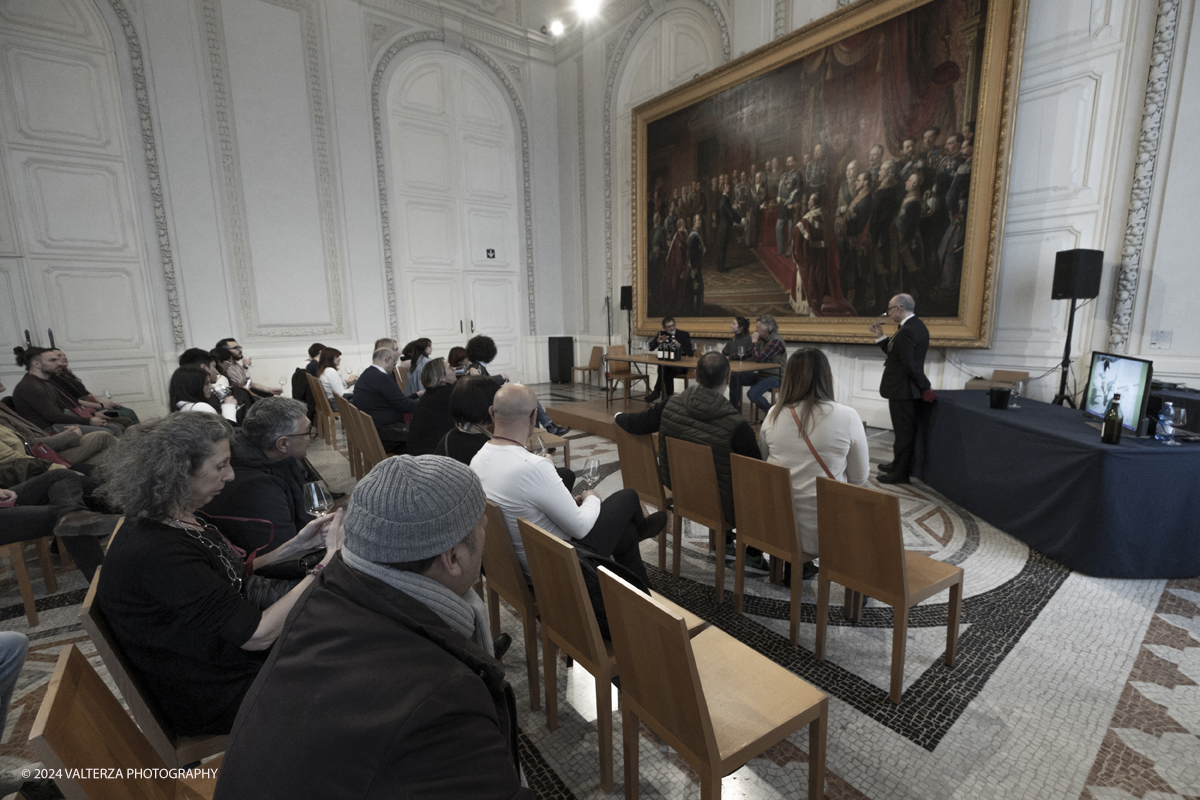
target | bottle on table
[
  {"x": 1166, "y": 422},
  {"x": 1110, "y": 431}
]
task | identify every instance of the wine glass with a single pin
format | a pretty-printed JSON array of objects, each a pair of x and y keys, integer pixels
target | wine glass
[
  {"x": 283, "y": 379},
  {"x": 741, "y": 352},
  {"x": 1018, "y": 389},
  {"x": 1179, "y": 419},
  {"x": 537, "y": 446},
  {"x": 591, "y": 473},
  {"x": 317, "y": 500}
]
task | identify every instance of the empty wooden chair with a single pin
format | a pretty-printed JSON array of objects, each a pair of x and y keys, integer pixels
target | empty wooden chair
[
  {"x": 862, "y": 549},
  {"x": 81, "y": 726},
  {"x": 174, "y": 751},
  {"x": 593, "y": 366},
  {"x": 762, "y": 501},
  {"x": 639, "y": 471},
  {"x": 622, "y": 371},
  {"x": 717, "y": 702},
  {"x": 569, "y": 622},
  {"x": 506, "y": 579},
  {"x": 698, "y": 497},
  {"x": 27, "y": 524},
  {"x": 326, "y": 416}
]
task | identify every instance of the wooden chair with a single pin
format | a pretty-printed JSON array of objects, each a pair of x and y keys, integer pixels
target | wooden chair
[
  {"x": 31, "y": 524},
  {"x": 81, "y": 725},
  {"x": 355, "y": 436},
  {"x": 326, "y": 416},
  {"x": 667, "y": 681},
  {"x": 174, "y": 751},
  {"x": 863, "y": 550},
  {"x": 371, "y": 446},
  {"x": 621, "y": 371},
  {"x": 639, "y": 471},
  {"x": 762, "y": 501},
  {"x": 506, "y": 579},
  {"x": 569, "y": 622},
  {"x": 401, "y": 376},
  {"x": 593, "y": 366},
  {"x": 698, "y": 497}
]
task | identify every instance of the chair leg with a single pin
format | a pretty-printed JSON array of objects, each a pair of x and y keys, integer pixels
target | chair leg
[
  {"x": 719, "y": 588},
  {"x": 63, "y": 556},
  {"x": 816, "y": 755},
  {"x": 739, "y": 573},
  {"x": 822, "y": 614},
  {"x": 529, "y": 624},
  {"x": 567, "y": 454},
  {"x": 662, "y": 550},
  {"x": 710, "y": 784},
  {"x": 48, "y": 576},
  {"x": 550, "y": 667},
  {"x": 604, "y": 726},
  {"x": 848, "y": 603},
  {"x": 630, "y": 739},
  {"x": 16, "y": 552},
  {"x": 954, "y": 611},
  {"x": 899, "y": 641},
  {"x": 797, "y": 587},
  {"x": 677, "y": 556}
]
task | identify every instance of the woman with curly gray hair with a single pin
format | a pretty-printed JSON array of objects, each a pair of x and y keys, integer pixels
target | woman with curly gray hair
[{"x": 172, "y": 588}]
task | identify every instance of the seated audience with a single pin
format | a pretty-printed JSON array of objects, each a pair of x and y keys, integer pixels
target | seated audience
[
  {"x": 394, "y": 346},
  {"x": 432, "y": 419},
  {"x": 268, "y": 476},
  {"x": 459, "y": 362},
  {"x": 470, "y": 405},
  {"x": 378, "y": 396},
  {"x": 70, "y": 383},
  {"x": 82, "y": 450},
  {"x": 239, "y": 371},
  {"x": 331, "y": 380},
  {"x": 173, "y": 591},
  {"x": 526, "y": 485},
  {"x": 481, "y": 351},
  {"x": 314, "y": 355},
  {"x": 418, "y": 353},
  {"x": 740, "y": 342},
  {"x": 767, "y": 347},
  {"x": 191, "y": 389},
  {"x": 226, "y": 364},
  {"x": 47, "y": 406},
  {"x": 672, "y": 338},
  {"x": 418, "y": 707},
  {"x": 835, "y": 432}
]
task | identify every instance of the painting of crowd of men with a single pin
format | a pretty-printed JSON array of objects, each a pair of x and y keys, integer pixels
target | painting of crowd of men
[{"x": 845, "y": 175}]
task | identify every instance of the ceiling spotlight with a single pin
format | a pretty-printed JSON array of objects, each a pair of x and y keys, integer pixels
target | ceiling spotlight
[
  {"x": 587, "y": 9},
  {"x": 556, "y": 28}
]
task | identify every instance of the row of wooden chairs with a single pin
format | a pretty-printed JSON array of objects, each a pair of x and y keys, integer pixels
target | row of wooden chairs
[{"x": 364, "y": 447}]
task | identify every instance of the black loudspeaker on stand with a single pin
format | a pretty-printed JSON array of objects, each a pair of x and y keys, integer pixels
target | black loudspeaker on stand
[
  {"x": 1076, "y": 277},
  {"x": 627, "y": 307}
]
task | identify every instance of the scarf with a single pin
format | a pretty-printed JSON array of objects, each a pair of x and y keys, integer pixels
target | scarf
[{"x": 465, "y": 613}]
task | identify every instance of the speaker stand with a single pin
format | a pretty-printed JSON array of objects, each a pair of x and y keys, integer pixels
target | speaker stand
[
  {"x": 1062, "y": 396},
  {"x": 629, "y": 331}
]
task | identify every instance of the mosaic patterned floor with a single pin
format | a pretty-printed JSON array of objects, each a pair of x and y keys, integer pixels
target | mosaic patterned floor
[{"x": 1066, "y": 686}]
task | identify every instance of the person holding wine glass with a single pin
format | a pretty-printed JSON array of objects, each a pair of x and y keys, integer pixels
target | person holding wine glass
[
  {"x": 194, "y": 623},
  {"x": 267, "y": 490}
]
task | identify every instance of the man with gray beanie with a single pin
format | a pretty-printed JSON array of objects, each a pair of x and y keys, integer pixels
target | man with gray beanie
[{"x": 382, "y": 683}]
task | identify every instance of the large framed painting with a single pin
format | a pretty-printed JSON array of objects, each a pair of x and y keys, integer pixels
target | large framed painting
[{"x": 862, "y": 156}]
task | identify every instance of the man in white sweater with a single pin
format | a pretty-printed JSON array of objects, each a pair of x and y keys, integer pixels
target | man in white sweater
[{"x": 526, "y": 485}]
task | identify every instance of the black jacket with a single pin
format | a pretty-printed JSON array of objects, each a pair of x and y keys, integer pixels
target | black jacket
[
  {"x": 430, "y": 421},
  {"x": 682, "y": 337},
  {"x": 377, "y": 395},
  {"x": 904, "y": 370},
  {"x": 370, "y": 694}
]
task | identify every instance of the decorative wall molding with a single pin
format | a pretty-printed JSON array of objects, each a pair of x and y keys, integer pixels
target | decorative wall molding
[
  {"x": 502, "y": 26},
  {"x": 233, "y": 201},
  {"x": 783, "y": 10},
  {"x": 583, "y": 220},
  {"x": 609, "y": 90},
  {"x": 150, "y": 153},
  {"x": 381, "y": 165},
  {"x": 1125, "y": 291}
]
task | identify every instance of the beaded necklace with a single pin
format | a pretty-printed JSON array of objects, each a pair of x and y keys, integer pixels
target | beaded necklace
[{"x": 222, "y": 549}]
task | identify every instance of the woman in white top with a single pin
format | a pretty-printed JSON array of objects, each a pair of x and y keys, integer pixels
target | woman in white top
[
  {"x": 835, "y": 431},
  {"x": 191, "y": 390},
  {"x": 331, "y": 379}
]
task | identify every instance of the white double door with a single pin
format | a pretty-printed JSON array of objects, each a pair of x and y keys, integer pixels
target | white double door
[{"x": 457, "y": 207}]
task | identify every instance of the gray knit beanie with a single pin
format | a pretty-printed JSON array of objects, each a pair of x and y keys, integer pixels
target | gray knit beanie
[{"x": 409, "y": 508}]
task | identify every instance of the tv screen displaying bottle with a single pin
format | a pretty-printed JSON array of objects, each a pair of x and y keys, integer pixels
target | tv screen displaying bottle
[{"x": 1112, "y": 374}]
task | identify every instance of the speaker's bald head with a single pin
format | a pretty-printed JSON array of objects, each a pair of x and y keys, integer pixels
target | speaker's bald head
[{"x": 513, "y": 402}]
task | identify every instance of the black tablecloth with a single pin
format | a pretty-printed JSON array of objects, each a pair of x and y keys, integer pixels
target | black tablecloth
[{"x": 1041, "y": 474}]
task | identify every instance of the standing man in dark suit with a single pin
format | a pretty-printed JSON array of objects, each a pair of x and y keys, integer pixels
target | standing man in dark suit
[
  {"x": 904, "y": 383},
  {"x": 673, "y": 339},
  {"x": 726, "y": 219},
  {"x": 694, "y": 294}
]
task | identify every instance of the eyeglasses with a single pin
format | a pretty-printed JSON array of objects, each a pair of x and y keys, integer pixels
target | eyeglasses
[
  {"x": 311, "y": 433},
  {"x": 891, "y": 307}
]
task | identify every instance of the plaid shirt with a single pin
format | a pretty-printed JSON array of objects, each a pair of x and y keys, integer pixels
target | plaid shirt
[{"x": 774, "y": 347}]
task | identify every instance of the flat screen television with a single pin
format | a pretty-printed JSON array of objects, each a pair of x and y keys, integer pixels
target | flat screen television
[{"x": 1112, "y": 374}]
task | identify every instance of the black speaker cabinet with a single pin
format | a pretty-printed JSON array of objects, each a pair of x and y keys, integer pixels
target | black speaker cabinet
[
  {"x": 562, "y": 358},
  {"x": 627, "y": 298},
  {"x": 1077, "y": 274}
]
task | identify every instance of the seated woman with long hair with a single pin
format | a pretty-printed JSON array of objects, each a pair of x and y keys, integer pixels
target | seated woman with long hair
[
  {"x": 432, "y": 419},
  {"x": 174, "y": 592},
  {"x": 331, "y": 379},
  {"x": 191, "y": 389},
  {"x": 418, "y": 352},
  {"x": 835, "y": 431}
]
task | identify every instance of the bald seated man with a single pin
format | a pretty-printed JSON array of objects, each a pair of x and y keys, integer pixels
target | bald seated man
[{"x": 526, "y": 485}]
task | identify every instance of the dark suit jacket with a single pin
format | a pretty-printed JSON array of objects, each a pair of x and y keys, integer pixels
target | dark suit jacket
[
  {"x": 904, "y": 370},
  {"x": 377, "y": 395},
  {"x": 683, "y": 337}
]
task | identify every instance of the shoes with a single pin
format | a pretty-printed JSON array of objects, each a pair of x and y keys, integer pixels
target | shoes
[
  {"x": 892, "y": 477},
  {"x": 809, "y": 571},
  {"x": 501, "y": 644},
  {"x": 86, "y": 523},
  {"x": 652, "y": 525},
  {"x": 888, "y": 467},
  {"x": 337, "y": 495},
  {"x": 730, "y": 552},
  {"x": 755, "y": 562},
  {"x": 652, "y": 397},
  {"x": 557, "y": 430}
]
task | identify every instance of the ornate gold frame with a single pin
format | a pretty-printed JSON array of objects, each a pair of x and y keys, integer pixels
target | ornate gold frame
[{"x": 1004, "y": 36}]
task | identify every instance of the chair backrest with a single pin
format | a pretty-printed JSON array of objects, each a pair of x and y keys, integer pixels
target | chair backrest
[
  {"x": 694, "y": 483},
  {"x": 762, "y": 502},
  {"x": 318, "y": 393},
  {"x": 371, "y": 446},
  {"x": 81, "y": 724},
  {"x": 401, "y": 376},
  {"x": 639, "y": 467},
  {"x": 597, "y": 358},
  {"x": 859, "y": 533},
  {"x": 617, "y": 368},
  {"x": 354, "y": 438},
  {"x": 658, "y": 668},
  {"x": 562, "y": 595},
  {"x": 500, "y": 563}
]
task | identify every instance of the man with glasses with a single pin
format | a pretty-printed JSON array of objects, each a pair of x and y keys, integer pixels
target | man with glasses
[
  {"x": 266, "y": 495},
  {"x": 238, "y": 373},
  {"x": 904, "y": 383}
]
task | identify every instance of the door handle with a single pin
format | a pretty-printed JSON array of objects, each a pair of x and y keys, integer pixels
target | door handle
[
  {"x": 460, "y": 328},
  {"x": 472, "y": 326}
]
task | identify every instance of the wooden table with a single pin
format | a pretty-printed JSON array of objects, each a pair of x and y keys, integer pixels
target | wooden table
[{"x": 687, "y": 362}]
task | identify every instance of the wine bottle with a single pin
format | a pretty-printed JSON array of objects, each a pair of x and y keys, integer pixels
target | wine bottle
[{"x": 1110, "y": 432}]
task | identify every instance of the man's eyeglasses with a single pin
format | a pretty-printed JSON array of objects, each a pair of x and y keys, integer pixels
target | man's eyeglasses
[
  {"x": 310, "y": 433},
  {"x": 889, "y": 308}
]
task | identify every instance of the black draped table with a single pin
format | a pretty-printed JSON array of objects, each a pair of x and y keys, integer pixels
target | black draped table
[{"x": 1040, "y": 473}]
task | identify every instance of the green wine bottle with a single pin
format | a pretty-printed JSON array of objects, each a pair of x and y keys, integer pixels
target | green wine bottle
[{"x": 1110, "y": 432}]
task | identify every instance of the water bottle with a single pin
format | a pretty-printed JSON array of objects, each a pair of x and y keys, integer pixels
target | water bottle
[{"x": 1166, "y": 422}]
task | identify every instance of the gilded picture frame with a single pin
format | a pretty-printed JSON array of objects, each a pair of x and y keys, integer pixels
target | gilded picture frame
[{"x": 879, "y": 75}]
